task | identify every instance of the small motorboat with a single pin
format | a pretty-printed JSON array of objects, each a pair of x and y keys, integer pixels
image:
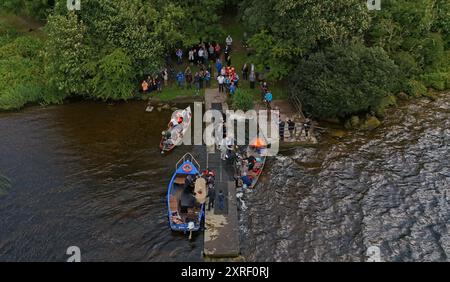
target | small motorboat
[
  {"x": 173, "y": 136},
  {"x": 257, "y": 151},
  {"x": 186, "y": 196}
]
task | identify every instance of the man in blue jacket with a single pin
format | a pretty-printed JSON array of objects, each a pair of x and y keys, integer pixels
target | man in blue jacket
[
  {"x": 180, "y": 79},
  {"x": 268, "y": 97},
  {"x": 219, "y": 66}
]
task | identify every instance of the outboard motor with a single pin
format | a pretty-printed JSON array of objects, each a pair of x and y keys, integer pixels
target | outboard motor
[{"x": 191, "y": 226}]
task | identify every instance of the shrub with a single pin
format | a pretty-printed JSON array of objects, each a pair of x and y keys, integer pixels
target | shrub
[
  {"x": 433, "y": 52},
  {"x": 407, "y": 64},
  {"x": 114, "y": 77},
  {"x": 415, "y": 88},
  {"x": 437, "y": 80},
  {"x": 21, "y": 74},
  {"x": 371, "y": 123},
  {"x": 385, "y": 103},
  {"x": 344, "y": 80},
  {"x": 243, "y": 100}
]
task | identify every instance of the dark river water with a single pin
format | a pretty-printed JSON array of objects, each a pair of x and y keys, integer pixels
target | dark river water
[
  {"x": 91, "y": 175},
  {"x": 87, "y": 175},
  {"x": 388, "y": 189}
]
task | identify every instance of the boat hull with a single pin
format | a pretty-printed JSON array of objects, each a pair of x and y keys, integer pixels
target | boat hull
[{"x": 179, "y": 221}]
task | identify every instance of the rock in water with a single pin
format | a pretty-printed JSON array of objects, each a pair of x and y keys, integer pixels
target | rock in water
[{"x": 371, "y": 123}]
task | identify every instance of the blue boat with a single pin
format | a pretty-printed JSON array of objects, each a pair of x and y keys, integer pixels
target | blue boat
[{"x": 186, "y": 203}]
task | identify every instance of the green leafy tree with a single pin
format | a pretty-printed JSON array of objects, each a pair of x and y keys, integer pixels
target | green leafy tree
[
  {"x": 284, "y": 30},
  {"x": 66, "y": 54},
  {"x": 38, "y": 9},
  {"x": 21, "y": 74},
  {"x": 344, "y": 80},
  {"x": 114, "y": 79}
]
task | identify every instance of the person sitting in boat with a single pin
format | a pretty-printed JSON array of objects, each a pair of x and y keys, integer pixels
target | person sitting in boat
[
  {"x": 187, "y": 201},
  {"x": 251, "y": 163},
  {"x": 189, "y": 184},
  {"x": 247, "y": 181},
  {"x": 180, "y": 120},
  {"x": 167, "y": 135},
  {"x": 173, "y": 122}
]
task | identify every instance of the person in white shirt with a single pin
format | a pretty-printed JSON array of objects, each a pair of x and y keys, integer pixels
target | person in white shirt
[
  {"x": 191, "y": 56},
  {"x": 230, "y": 142},
  {"x": 223, "y": 149},
  {"x": 229, "y": 41},
  {"x": 221, "y": 80},
  {"x": 201, "y": 54}
]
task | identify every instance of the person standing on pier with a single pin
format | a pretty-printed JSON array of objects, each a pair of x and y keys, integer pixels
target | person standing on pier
[
  {"x": 221, "y": 81},
  {"x": 211, "y": 196},
  {"x": 221, "y": 199},
  {"x": 281, "y": 126},
  {"x": 307, "y": 127},
  {"x": 268, "y": 98},
  {"x": 291, "y": 127}
]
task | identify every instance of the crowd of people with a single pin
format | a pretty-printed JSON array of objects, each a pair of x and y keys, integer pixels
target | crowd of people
[
  {"x": 154, "y": 83},
  {"x": 203, "y": 57}
]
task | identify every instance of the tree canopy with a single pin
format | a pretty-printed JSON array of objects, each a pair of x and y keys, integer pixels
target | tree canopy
[{"x": 343, "y": 80}]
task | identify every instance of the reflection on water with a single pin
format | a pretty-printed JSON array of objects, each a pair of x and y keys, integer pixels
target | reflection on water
[
  {"x": 89, "y": 175},
  {"x": 389, "y": 189}
]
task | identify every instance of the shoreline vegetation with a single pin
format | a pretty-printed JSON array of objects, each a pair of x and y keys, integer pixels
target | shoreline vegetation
[{"x": 344, "y": 62}]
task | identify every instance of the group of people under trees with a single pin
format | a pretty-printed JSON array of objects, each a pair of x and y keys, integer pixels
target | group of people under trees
[
  {"x": 155, "y": 83},
  {"x": 203, "y": 56},
  {"x": 200, "y": 79}
]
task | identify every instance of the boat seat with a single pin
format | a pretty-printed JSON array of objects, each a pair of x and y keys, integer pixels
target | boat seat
[{"x": 173, "y": 204}]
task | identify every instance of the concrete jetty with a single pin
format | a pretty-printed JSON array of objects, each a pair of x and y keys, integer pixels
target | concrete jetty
[{"x": 221, "y": 240}]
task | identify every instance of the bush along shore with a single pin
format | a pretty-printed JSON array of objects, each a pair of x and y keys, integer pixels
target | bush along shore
[{"x": 341, "y": 60}]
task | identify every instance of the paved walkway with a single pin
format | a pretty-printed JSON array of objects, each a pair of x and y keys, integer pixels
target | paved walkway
[{"x": 221, "y": 225}]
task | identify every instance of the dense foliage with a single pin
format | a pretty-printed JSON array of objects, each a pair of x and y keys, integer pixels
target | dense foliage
[
  {"x": 21, "y": 74},
  {"x": 103, "y": 50},
  {"x": 342, "y": 80},
  {"x": 285, "y": 30},
  {"x": 37, "y": 9},
  {"x": 414, "y": 34},
  {"x": 243, "y": 100}
]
